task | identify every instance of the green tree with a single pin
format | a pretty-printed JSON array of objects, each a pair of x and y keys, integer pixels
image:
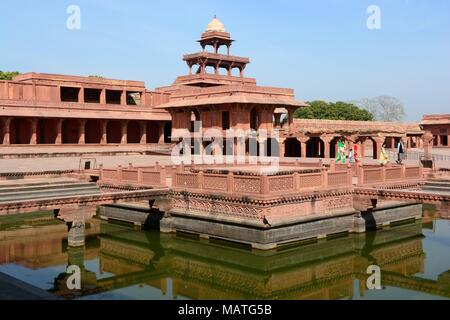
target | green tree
[
  {"x": 333, "y": 111},
  {"x": 7, "y": 75}
]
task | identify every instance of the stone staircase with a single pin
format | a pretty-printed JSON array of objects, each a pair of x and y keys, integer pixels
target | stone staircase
[
  {"x": 437, "y": 185},
  {"x": 23, "y": 190}
]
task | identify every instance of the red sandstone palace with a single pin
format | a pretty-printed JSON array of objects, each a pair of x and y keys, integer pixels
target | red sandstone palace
[
  {"x": 439, "y": 127},
  {"x": 44, "y": 109}
]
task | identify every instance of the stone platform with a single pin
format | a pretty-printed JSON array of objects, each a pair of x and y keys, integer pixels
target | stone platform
[
  {"x": 266, "y": 208},
  {"x": 265, "y": 225}
]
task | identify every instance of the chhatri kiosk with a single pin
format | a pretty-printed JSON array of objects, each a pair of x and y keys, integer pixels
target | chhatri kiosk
[{"x": 217, "y": 94}]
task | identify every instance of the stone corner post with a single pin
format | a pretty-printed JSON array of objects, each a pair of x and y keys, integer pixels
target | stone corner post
[
  {"x": 163, "y": 176},
  {"x": 264, "y": 183},
  {"x": 100, "y": 172},
  {"x": 230, "y": 181},
  {"x": 360, "y": 174},
  {"x": 403, "y": 171},
  {"x": 200, "y": 180},
  {"x": 324, "y": 178}
]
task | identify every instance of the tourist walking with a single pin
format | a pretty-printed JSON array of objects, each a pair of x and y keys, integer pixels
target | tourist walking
[
  {"x": 355, "y": 153},
  {"x": 341, "y": 152},
  {"x": 400, "y": 152},
  {"x": 351, "y": 156},
  {"x": 384, "y": 159}
]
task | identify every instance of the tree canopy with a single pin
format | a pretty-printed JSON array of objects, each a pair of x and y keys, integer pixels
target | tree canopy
[
  {"x": 333, "y": 111},
  {"x": 7, "y": 75}
]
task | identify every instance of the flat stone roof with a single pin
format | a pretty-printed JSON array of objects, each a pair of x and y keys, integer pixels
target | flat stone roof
[
  {"x": 332, "y": 126},
  {"x": 92, "y": 80},
  {"x": 436, "y": 119}
]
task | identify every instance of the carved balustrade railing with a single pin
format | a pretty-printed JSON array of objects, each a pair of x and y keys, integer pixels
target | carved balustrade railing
[
  {"x": 261, "y": 184},
  {"x": 389, "y": 173},
  {"x": 150, "y": 176}
]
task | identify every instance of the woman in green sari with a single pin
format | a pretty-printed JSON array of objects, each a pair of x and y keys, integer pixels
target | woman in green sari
[{"x": 341, "y": 151}]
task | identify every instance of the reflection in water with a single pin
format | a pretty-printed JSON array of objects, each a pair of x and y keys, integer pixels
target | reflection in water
[{"x": 120, "y": 262}]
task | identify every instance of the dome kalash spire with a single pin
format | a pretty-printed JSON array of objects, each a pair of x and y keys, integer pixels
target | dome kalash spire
[
  {"x": 215, "y": 25},
  {"x": 215, "y": 36}
]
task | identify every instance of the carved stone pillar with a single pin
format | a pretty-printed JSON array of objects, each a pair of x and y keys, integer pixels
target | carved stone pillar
[
  {"x": 161, "y": 132},
  {"x": 123, "y": 132},
  {"x": 291, "y": 118},
  {"x": 81, "y": 95},
  {"x": 76, "y": 233},
  {"x": 327, "y": 145},
  {"x": 81, "y": 130},
  {"x": 379, "y": 142},
  {"x": 303, "y": 141},
  {"x": 123, "y": 98},
  {"x": 427, "y": 142},
  {"x": 103, "y": 96},
  {"x": 143, "y": 127},
  {"x": 6, "y": 130},
  {"x": 58, "y": 123},
  {"x": 281, "y": 147},
  {"x": 33, "y": 139},
  {"x": 104, "y": 131}
]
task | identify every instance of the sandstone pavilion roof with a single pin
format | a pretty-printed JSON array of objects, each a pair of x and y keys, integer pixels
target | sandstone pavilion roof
[
  {"x": 202, "y": 88},
  {"x": 436, "y": 119},
  {"x": 316, "y": 126}
]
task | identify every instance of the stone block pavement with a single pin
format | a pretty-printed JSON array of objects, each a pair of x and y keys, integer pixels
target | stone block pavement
[
  {"x": 73, "y": 163},
  {"x": 62, "y": 162}
]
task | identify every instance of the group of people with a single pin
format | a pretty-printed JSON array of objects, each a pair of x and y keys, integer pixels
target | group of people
[
  {"x": 384, "y": 158},
  {"x": 352, "y": 155},
  {"x": 343, "y": 154}
]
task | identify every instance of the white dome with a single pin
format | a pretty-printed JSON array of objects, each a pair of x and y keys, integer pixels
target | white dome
[{"x": 215, "y": 25}]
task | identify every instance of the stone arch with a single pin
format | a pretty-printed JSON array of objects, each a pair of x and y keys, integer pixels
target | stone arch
[
  {"x": 370, "y": 148},
  {"x": 334, "y": 147},
  {"x": 20, "y": 131},
  {"x": 93, "y": 131},
  {"x": 236, "y": 71},
  {"x": 292, "y": 148},
  {"x": 113, "y": 132},
  {"x": 152, "y": 132},
  {"x": 222, "y": 71},
  {"x": 222, "y": 49},
  {"x": 46, "y": 131},
  {"x": 70, "y": 131},
  {"x": 133, "y": 132},
  {"x": 315, "y": 148},
  {"x": 208, "y": 48},
  {"x": 209, "y": 69}
]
